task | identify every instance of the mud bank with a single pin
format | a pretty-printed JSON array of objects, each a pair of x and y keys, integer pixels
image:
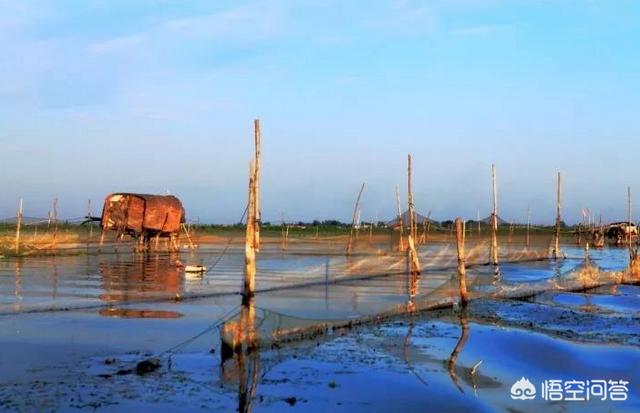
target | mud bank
[{"x": 404, "y": 364}]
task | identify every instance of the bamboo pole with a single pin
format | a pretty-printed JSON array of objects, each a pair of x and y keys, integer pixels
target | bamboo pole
[
  {"x": 412, "y": 217},
  {"x": 494, "y": 218},
  {"x": 556, "y": 248},
  {"x": 629, "y": 216},
  {"x": 633, "y": 252},
  {"x": 18, "y": 225},
  {"x": 249, "y": 245},
  {"x": 90, "y": 232},
  {"x": 353, "y": 220},
  {"x": 528, "y": 225},
  {"x": 284, "y": 244},
  {"x": 55, "y": 222},
  {"x": 462, "y": 272},
  {"x": 400, "y": 220},
  {"x": 191, "y": 245},
  {"x": 257, "y": 213},
  {"x": 413, "y": 255}
]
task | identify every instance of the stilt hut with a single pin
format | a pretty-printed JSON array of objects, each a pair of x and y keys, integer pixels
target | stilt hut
[{"x": 142, "y": 216}]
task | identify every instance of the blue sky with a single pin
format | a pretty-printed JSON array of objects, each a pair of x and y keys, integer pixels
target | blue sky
[{"x": 149, "y": 96}]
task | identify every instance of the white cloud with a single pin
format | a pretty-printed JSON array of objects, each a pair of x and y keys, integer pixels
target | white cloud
[
  {"x": 247, "y": 22},
  {"x": 116, "y": 44}
]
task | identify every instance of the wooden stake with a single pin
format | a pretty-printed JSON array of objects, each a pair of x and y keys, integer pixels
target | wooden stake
[
  {"x": 462, "y": 272},
  {"x": 400, "y": 220},
  {"x": 353, "y": 220},
  {"x": 257, "y": 213},
  {"x": 249, "y": 245},
  {"x": 556, "y": 248},
  {"x": 629, "y": 216},
  {"x": 412, "y": 217},
  {"x": 528, "y": 224},
  {"x": 494, "y": 219},
  {"x": 413, "y": 255},
  {"x": 90, "y": 233},
  {"x": 55, "y": 222},
  {"x": 284, "y": 244},
  {"x": 18, "y": 225},
  {"x": 191, "y": 246}
]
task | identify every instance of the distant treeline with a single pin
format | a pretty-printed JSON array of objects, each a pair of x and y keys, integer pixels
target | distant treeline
[{"x": 316, "y": 226}]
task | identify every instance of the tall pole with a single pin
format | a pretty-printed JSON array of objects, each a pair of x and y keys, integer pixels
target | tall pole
[
  {"x": 413, "y": 255},
  {"x": 412, "y": 217},
  {"x": 494, "y": 218},
  {"x": 528, "y": 224},
  {"x": 353, "y": 220},
  {"x": 257, "y": 213},
  {"x": 55, "y": 222},
  {"x": 90, "y": 234},
  {"x": 249, "y": 245},
  {"x": 629, "y": 216},
  {"x": 556, "y": 249},
  {"x": 462, "y": 272},
  {"x": 18, "y": 225}
]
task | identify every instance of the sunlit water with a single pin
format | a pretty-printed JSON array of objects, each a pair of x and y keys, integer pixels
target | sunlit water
[{"x": 127, "y": 305}]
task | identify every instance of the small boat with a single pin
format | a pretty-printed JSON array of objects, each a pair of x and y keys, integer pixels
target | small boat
[{"x": 195, "y": 269}]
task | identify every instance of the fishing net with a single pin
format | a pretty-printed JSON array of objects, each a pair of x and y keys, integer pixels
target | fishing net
[{"x": 405, "y": 293}]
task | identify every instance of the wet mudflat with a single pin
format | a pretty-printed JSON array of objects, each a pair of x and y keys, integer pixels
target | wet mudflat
[{"x": 124, "y": 309}]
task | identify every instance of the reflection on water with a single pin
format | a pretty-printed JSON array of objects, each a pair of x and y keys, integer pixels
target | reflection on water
[
  {"x": 453, "y": 359},
  {"x": 240, "y": 359},
  {"x": 135, "y": 313},
  {"x": 18, "y": 286},
  {"x": 145, "y": 277}
]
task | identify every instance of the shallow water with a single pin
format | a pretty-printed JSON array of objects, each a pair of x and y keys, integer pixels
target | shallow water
[
  {"x": 126, "y": 306},
  {"x": 397, "y": 366}
]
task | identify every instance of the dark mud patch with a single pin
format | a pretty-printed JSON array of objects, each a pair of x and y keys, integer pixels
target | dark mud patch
[{"x": 578, "y": 323}]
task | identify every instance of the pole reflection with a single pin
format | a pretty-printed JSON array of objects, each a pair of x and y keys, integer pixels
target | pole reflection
[
  {"x": 240, "y": 356},
  {"x": 453, "y": 359}
]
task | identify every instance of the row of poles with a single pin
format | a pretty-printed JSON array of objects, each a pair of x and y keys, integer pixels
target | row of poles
[
  {"x": 52, "y": 223},
  {"x": 252, "y": 242}
]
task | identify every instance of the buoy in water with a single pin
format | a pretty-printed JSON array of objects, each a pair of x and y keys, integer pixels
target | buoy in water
[{"x": 195, "y": 268}]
